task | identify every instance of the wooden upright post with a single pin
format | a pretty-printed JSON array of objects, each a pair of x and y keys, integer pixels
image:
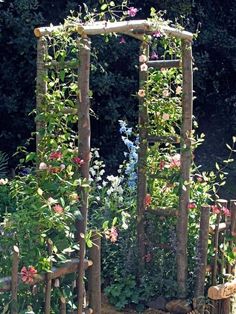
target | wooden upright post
[
  {"x": 41, "y": 85},
  {"x": 186, "y": 159},
  {"x": 47, "y": 309},
  {"x": 14, "y": 280},
  {"x": 142, "y": 155},
  {"x": 202, "y": 258},
  {"x": 84, "y": 134},
  {"x": 94, "y": 274}
]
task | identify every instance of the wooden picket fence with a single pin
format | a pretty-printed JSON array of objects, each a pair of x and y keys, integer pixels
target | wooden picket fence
[{"x": 92, "y": 300}]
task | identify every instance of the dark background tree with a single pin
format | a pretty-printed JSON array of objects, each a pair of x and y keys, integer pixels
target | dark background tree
[{"x": 114, "y": 72}]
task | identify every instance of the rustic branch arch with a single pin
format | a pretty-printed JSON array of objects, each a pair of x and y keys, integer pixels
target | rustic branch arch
[{"x": 137, "y": 29}]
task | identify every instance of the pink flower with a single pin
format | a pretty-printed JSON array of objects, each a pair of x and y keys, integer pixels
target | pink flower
[
  {"x": 215, "y": 209},
  {"x": 165, "y": 116},
  {"x": 147, "y": 200},
  {"x": 175, "y": 161},
  {"x": 78, "y": 161},
  {"x": 27, "y": 275},
  {"x": 178, "y": 90},
  {"x": 132, "y": 11},
  {"x": 165, "y": 93},
  {"x": 113, "y": 234},
  {"x": 191, "y": 205},
  {"x": 156, "y": 34},
  {"x": 226, "y": 211},
  {"x": 141, "y": 93},
  {"x": 143, "y": 67},
  {"x": 199, "y": 178},
  {"x": 55, "y": 155},
  {"x": 154, "y": 55},
  {"x": 142, "y": 58},
  {"x": 58, "y": 209},
  {"x": 122, "y": 40}
]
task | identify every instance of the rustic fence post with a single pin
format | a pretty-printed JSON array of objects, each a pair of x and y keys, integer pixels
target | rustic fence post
[
  {"x": 142, "y": 155},
  {"x": 62, "y": 305},
  {"x": 47, "y": 309},
  {"x": 202, "y": 258},
  {"x": 84, "y": 134},
  {"x": 94, "y": 274},
  {"x": 14, "y": 280},
  {"x": 186, "y": 160},
  {"x": 41, "y": 85}
]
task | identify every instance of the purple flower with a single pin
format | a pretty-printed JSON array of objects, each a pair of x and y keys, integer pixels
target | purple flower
[
  {"x": 132, "y": 11},
  {"x": 122, "y": 40},
  {"x": 154, "y": 55}
]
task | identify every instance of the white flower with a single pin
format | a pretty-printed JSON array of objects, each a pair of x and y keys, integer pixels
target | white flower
[
  {"x": 143, "y": 67},
  {"x": 3, "y": 181},
  {"x": 178, "y": 90},
  {"x": 43, "y": 166},
  {"x": 165, "y": 116}
]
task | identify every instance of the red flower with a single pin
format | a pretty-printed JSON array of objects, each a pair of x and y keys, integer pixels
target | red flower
[
  {"x": 147, "y": 257},
  {"x": 162, "y": 165},
  {"x": 58, "y": 209},
  {"x": 226, "y": 211},
  {"x": 27, "y": 275},
  {"x": 148, "y": 200},
  {"x": 215, "y": 209},
  {"x": 191, "y": 205},
  {"x": 78, "y": 161},
  {"x": 55, "y": 155}
]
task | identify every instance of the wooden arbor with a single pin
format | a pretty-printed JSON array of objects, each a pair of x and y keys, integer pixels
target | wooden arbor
[{"x": 137, "y": 29}]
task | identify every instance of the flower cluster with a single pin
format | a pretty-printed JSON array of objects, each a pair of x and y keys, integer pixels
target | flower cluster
[
  {"x": 220, "y": 210},
  {"x": 27, "y": 275},
  {"x": 111, "y": 234}
]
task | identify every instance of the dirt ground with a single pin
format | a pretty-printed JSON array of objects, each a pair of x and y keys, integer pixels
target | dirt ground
[{"x": 108, "y": 309}]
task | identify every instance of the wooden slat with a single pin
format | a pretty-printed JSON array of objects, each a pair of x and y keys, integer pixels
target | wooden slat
[
  {"x": 62, "y": 305},
  {"x": 14, "y": 280},
  {"x": 221, "y": 227},
  {"x": 167, "y": 64},
  {"x": 202, "y": 259},
  {"x": 163, "y": 139},
  {"x": 163, "y": 211},
  {"x": 67, "y": 268},
  {"x": 84, "y": 134},
  {"x": 142, "y": 163},
  {"x": 186, "y": 160},
  {"x": 232, "y": 206}
]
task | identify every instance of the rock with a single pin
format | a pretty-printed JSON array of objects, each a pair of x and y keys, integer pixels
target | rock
[
  {"x": 179, "y": 306},
  {"x": 158, "y": 304}
]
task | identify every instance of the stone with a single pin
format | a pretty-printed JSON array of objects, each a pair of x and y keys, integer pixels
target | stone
[
  {"x": 179, "y": 306},
  {"x": 158, "y": 304}
]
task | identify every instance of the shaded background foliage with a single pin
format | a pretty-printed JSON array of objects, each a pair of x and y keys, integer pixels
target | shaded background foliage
[{"x": 114, "y": 73}]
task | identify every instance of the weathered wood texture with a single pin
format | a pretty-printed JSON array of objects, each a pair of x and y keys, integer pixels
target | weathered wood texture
[
  {"x": 94, "y": 274},
  {"x": 222, "y": 291},
  {"x": 84, "y": 134},
  {"x": 202, "y": 258},
  {"x": 48, "y": 289},
  {"x": 167, "y": 64},
  {"x": 41, "y": 85},
  {"x": 14, "y": 280},
  {"x": 104, "y": 27},
  {"x": 142, "y": 160},
  {"x": 62, "y": 305},
  {"x": 67, "y": 268},
  {"x": 186, "y": 160}
]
